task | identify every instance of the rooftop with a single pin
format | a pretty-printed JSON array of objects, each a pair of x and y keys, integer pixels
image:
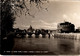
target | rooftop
[{"x": 65, "y": 23}]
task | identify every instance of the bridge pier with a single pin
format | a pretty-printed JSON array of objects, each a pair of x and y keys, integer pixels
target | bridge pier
[
  {"x": 37, "y": 35},
  {"x": 29, "y": 35}
]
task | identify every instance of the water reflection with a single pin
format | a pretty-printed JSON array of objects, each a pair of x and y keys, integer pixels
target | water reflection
[{"x": 45, "y": 43}]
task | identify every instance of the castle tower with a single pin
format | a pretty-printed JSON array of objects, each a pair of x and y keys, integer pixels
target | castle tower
[{"x": 65, "y": 27}]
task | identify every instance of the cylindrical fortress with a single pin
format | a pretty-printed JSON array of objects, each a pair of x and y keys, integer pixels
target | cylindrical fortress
[{"x": 65, "y": 27}]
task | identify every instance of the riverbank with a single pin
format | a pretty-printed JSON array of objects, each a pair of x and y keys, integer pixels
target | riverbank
[{"x": 75, "y": 36}]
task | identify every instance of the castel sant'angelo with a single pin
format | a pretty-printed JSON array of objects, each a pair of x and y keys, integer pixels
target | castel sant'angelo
[{"x": 65, "y": 27}]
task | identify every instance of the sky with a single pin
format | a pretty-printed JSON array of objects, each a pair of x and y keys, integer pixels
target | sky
[{"x": 57, "y": 11}]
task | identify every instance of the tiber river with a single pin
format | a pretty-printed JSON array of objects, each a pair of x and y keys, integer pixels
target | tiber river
[{"x": 46, "y": 45}]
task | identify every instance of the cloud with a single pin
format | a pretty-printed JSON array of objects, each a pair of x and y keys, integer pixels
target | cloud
[
  {"x": 24, "y": 26},
  {"x": 18, "y": 26},
  {"x": 65, "y": 17},
  {"x": 73, "y": 18},
  {"x": 49, "y": 25},
  {"x": 45, "y": 24},
  {"x": 77, "y": 16},
  {"x": 40, "y": 21}
]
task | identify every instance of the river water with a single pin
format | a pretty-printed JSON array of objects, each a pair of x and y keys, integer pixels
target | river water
[{"x": 46, "y": 45}]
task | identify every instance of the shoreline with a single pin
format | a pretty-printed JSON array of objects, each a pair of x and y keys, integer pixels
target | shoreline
[{"x": 75, "y": 36}]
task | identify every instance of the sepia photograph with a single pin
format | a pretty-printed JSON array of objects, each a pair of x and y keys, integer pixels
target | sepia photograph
[{"x": 40, "y": 27}]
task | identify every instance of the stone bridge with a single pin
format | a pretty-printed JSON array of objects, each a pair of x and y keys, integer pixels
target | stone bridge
[{"x": 30, "y": 33}]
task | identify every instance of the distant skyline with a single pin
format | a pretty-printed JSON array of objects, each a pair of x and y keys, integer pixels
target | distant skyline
[{"x": 58, "y": 11}]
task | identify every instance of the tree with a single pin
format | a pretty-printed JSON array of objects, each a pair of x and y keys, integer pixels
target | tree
[
  {"x": 10, "y": 7},
  {"x": 7, "y": 18}
]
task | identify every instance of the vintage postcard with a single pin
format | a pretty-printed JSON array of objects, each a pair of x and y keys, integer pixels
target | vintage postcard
[{"x": 40, "y": 27}]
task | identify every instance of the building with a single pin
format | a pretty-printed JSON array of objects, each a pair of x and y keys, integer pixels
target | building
[
  {"x": 30, "y": 29},
  {"x": 78, "y": 30},
  {"x": 65, "y": 27}
]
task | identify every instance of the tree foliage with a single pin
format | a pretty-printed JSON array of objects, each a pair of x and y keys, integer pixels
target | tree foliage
[
  {"x": 10, "y": 7},
  {"x": 7, "y": 18}
]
